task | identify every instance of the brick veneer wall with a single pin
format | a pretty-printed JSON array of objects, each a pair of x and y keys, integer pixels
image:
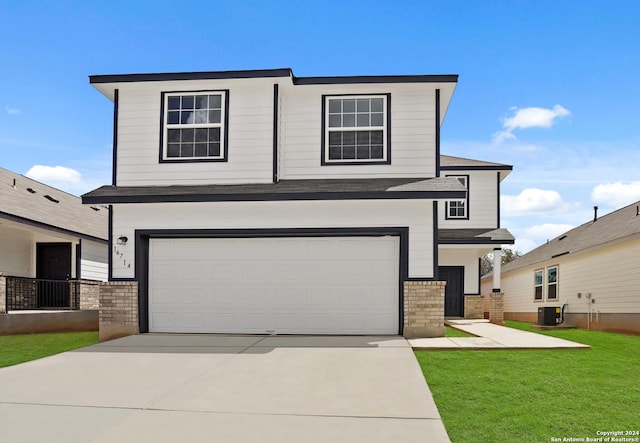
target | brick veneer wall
[
  {"x": 424, "y": 308},
  {"x": 496, "y": 308},
  {"x": 89, "y": 295},
  {"x": 473, "y": 306},
  {"x": 118, "y": 309},
  {"x": 3, "y": 293}
]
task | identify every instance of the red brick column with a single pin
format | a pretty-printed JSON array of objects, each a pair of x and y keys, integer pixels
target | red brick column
[{"x": 496, "y": 308}]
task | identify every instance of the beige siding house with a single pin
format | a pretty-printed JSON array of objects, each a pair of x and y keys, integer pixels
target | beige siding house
[{"x": 593, "y": 271}]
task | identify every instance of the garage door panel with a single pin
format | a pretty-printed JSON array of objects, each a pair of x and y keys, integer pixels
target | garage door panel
[{"x": 333, "y": 285}]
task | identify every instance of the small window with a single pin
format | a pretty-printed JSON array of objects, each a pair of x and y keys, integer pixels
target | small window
[
  {"x": 194, "y": 126},
  {"x": 355, "y": 129},
  {"x": 552, "y": 283},
  {"x": 458, "y": 209},
  {"x": 538, "y": 277}
]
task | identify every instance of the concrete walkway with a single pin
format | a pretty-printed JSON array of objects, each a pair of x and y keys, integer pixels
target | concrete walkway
[
  {"x": 491, "y": 336},
  {"x": 213, "y": 388}
]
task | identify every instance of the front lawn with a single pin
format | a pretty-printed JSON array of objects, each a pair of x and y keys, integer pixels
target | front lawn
[
  {"x": 16, "y": 349},
  {"x": 535, "y": 396}
]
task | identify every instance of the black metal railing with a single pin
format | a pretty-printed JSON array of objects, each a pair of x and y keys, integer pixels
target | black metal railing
[{"x": 36, "y": 293}]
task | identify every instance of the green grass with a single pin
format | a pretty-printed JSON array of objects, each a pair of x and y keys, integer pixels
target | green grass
[
  {"x": 16, "y": 349},
  {"x": 452, "y": 332},
  {"x": 534, "y": 396}
]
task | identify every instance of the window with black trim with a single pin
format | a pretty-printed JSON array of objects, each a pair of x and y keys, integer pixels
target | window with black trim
[
  {"x": 552, "y": 283},
  {"x": 194, "y": 126},
  {"x": 356, "y": 129},
  {"x": 538, "y": 288},
  {"x": 459, "y": 208}
]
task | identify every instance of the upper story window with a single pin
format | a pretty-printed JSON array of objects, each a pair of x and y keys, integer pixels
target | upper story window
[
  {"x": 356, "y": 129},
  {"x": 459, "y": 209},
  {"x": 194, "y": 126}
]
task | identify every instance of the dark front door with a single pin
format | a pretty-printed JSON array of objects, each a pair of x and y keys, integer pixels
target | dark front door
[
  {"x": 53, "y": 269},
  {"x": 454, "y": 291}
]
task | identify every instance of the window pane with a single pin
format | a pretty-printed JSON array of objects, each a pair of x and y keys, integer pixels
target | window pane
[
  {"x": 188, "y": 101},
  {"x": 186, "y": 150},
  {"x": 335, "y": 106},
  {"x": 215, "y": 116},
  {"x": 538, "y": 293},
  {"x": 376, "y": 137},
  {"x": 188, "y": 135},
  {"x": 335, "y": 153},
  {"x": 201, "y": 116},
  {"x": 552, "y": 275},
  {"x": 363, "y": 137},
  {"x": 376, "y": 105},
  {"x": 537, "y": 279},
  {"x": 173, "y": 117},
  {"x": 349, "y": 105},
  {"x": 349, "y": 138},
  {"x": 173, "y": 150},
  {"x": 214, "y": 149},
  {"x": 363, "y": 119},
  {"x": 376, "y": 120},
  {"x": 173, "y": 135},
  {"x": 376, "y": 152},
  {"x": 214, "y": 134},
  {"x": 201, "y": 135},
  {"x": 173, "y": 103},
  {"x": 552, "y": 291},
  {"x": 335, "y": 138},
  {"x": 201, "y": 150},
  {"x": 349, "y": 152},
  {"x": 335, "y": 121},
  {"x": 362, "y": 152},
  {"x": 348, "y": 120},
  {"x": 363, "y": 105},
  {"x": 215, "y": 102},
  {"x": 186, "y": 117},
  {"x": 202, "y": 102}
]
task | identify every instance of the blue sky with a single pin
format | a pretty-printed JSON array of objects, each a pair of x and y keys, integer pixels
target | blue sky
[{"x": 550, "y": 87}]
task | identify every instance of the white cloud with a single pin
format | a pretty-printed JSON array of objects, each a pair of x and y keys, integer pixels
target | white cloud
[
  {"x": 56, "y": 176},
  {"x": 616, "y": 194},
  {"x": 524, "y": 118},
  {"x": 12, "y": 111},
  {"x": 533, "y": 201}
]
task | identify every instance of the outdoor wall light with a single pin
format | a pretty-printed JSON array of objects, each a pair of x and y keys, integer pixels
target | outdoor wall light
[{"x": 122, "y": 240}]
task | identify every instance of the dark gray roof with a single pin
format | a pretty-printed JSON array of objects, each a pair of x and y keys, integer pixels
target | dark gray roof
[
  {"x": 319, "y": 189},
  {"x": 270, "y": 73},
  {"x": 34, "y": 203},
  {"x": 616, "y": 226},
  {"x": 475, "y": 236}
]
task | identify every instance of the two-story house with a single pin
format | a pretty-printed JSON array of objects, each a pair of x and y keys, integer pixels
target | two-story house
[{"x": 262, "y": 202}]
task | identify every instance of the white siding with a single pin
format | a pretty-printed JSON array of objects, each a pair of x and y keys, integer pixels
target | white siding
[
  {"x": 17, "y": 252},
  {"x": 412, "y": 131},
  {"x": 414, "y": 214},
  {"x": 250, "y": 135},
  {"x": 94, "y": 261},
  {"x": 610, "y": 274},
  {"x": 483, "y": 201}
]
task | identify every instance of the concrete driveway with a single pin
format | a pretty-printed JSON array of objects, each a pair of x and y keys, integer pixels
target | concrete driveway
[{"x": 212, "y": 388}]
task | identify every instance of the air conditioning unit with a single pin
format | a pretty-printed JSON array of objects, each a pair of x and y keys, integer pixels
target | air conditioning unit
[{"x": 549, "y": 315}]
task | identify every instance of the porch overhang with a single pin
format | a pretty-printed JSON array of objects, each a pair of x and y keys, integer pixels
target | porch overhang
[
  {"x": 500, "y": 236},
  {"x": 317, "y": 189}
]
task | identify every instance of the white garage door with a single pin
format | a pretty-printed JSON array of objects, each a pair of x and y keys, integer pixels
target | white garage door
[{"x": 311, "y": 285}]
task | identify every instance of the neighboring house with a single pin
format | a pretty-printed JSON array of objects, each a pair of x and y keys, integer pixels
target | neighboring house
[
  {"x": 261, "y": 202},
  {"x": 48, "y": 234},
  {"x": 592, "y": 270}
]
